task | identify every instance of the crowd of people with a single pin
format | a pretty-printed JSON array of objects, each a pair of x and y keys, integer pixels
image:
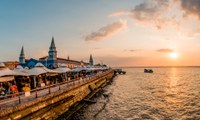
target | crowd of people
[{"x": 27, "y": 83}]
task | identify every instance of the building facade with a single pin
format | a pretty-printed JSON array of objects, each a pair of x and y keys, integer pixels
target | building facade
[
  {"x": 11, "y": 65},
  {"x": 51, "y": 61}
]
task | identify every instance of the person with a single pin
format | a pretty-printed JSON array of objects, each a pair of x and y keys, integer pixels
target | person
[
  {"x": 6, "y": 87},
  {"x": 26, "y": 89},
  {"x": 41, "y": 83},
  {"x": 47, "y": 81},
  {"x": 13, "y": 90},
  {"x": 2, "y": 90}
]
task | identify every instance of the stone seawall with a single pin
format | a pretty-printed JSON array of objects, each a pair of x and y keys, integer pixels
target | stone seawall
[{"x": 53, "y": 105}]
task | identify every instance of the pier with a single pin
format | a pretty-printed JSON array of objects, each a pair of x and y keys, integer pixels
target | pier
[{"x": 51, "y": 102}]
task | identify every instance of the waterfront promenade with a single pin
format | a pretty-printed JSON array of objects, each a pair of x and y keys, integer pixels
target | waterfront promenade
[{"x": 11, "y": 101}]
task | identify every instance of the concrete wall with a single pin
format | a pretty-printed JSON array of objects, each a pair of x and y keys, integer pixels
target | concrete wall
[{"x": 55, "y": 104}]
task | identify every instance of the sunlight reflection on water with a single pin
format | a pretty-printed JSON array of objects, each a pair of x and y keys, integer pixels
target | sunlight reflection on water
[{"x": 167, "y": 94}]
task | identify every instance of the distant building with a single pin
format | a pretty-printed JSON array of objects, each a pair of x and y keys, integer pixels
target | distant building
[
  {"x": 69, "y": 63},
  {"x": 51, "y": 61},
  {"x": 11, "y": 65}
]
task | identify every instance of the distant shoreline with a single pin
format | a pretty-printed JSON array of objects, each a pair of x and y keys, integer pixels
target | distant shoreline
[{"x": 158, "y": 67}]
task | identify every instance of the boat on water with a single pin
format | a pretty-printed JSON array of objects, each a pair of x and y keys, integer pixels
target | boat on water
[{"x": 148, "y": 71}]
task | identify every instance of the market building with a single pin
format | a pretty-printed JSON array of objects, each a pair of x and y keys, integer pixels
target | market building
[{"x": 51, "y": 61}]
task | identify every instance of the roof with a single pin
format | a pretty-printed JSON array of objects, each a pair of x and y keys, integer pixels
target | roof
[
  {"x": 63, "y": 59},
  {"x": 62, "y": 69},
  {"x": 4, "y": 71},
  {"x": 19, "y": 70},
  {"x": 6, "y": 79},
  {"x": 2, "y": 65},
  {"x": 78, "y": 69},
  {"x": 43, "y": 58},
  {"x": 39, "y": 69},
  {"x": 32, "y": 59},
  {"x": 68, "y": 60}
]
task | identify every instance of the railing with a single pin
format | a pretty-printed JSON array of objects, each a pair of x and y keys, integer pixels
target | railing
[{"x": 14, "y": 99}]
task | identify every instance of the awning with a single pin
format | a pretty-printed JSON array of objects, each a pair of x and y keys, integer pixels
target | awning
[
  {"x": 6, "y": 78},
  {"x": 62, "y": 69},
  {"x": 20, "y": 71},
  {"x": 6, "y": 72},
  {"x": 40, "y": 69}
]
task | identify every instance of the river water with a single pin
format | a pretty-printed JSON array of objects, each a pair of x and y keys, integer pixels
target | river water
[{"x": 167, "y": 94}]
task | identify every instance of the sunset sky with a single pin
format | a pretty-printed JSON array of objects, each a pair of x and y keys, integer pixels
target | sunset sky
[{"x": 115, "y": 32}]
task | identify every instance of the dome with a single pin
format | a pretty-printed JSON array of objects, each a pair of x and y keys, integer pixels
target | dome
[
  {"x": 26, "y": 68},
  {"x": 19, "y": 67},
  {"x": 39, "y": 65},
  {"x": 2, "y": 65}
]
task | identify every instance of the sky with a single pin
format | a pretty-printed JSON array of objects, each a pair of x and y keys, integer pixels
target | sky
[{"x": 115, "y": 32}]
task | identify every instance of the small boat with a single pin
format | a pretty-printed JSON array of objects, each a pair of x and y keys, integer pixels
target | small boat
[{"x": 148, "y": 71}]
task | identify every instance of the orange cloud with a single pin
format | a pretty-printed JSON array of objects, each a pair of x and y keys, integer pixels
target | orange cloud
[
  {"x": 155, "y": 13},
  {"x": 120, "y": 13},
  {"x": 106, "y": 31},
  {"x": 131, "y": 50},
  {"x": 165, "y": 50}
]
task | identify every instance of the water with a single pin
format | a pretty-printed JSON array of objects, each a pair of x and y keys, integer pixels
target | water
[{"x": 167, "y": 94}]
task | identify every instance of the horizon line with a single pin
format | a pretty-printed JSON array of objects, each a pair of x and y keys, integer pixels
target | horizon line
[{"x": 181, "y": 66}]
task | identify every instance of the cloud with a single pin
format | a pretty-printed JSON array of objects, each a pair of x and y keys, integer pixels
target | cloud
[
  {"x": 106, "y": 31},
  {"x": 191, "y": 7},
  {"x": 145, "y": 11},
  {"x": 165, "y": 50},
  {"x": 155, "y": 13},
  {"x": 131, "y": 50},
  {"x": 119, "y": 13},
  {"x": 166, "y": 15},
  {"x": 97, "y": 48}
]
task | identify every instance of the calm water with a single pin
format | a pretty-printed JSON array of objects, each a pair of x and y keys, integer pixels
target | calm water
[{"x": 167, "y": 94}]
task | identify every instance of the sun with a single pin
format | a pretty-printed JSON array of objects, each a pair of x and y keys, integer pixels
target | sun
[{"x": 173, "y": 55}]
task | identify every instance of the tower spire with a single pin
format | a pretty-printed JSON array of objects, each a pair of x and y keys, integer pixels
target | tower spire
[
  {"x": 52, "y": 58},
  {"x": 52, "y": 43},
  {"x": 22, "y": 51},
  {"x": 91, "y": 60},
  {"x": 22, "y": 56}
]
